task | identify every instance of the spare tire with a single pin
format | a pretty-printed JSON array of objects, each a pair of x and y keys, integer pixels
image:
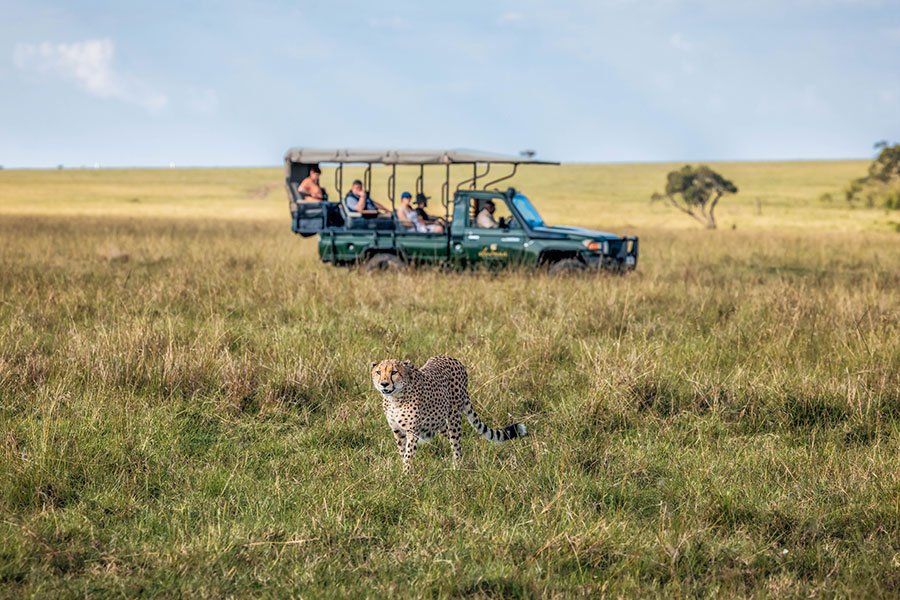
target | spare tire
[{"x": 383, "y": 262}]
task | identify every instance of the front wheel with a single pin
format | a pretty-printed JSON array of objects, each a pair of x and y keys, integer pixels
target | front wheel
[
  {"x": 385, "y": 262},
  {"x": 568, "y": 266}
]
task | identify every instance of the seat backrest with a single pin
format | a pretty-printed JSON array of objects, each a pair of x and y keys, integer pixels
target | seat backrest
[
  {"x": 349, "y": 214},
  {"x": 298, "y": 173},
  {"x": 355, "y": 220}
]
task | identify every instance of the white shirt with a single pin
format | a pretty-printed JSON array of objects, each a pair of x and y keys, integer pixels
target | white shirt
[{"x": 485, "y": 220}]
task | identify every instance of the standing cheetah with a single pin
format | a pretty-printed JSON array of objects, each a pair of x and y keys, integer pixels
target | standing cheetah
[{"x": 421, "y": 402}]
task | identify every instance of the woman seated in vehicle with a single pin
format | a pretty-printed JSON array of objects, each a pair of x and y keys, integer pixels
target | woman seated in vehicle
[
  {"x": 421, "y": 202},
  {"x": 410, "y": 219}
]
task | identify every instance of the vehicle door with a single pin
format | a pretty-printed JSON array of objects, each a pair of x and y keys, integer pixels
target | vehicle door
[{"x": 500, "y": 246}]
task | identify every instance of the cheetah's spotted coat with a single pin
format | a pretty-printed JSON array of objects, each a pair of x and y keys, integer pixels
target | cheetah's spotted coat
[{"x": 418, "y": 403}]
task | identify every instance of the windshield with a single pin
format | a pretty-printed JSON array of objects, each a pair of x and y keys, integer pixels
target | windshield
[{"x": 528, "y": 212}]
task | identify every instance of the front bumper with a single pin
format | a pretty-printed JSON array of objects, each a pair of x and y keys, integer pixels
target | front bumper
[{"x": 618, "y": 255}]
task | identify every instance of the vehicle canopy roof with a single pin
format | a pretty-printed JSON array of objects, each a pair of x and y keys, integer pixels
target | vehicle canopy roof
[{"x": 389, "y": 156}]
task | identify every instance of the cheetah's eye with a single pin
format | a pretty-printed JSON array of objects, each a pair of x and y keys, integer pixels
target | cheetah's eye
[{"x": 378, "y": 372}]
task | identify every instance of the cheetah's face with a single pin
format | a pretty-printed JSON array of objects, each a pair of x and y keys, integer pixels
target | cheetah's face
[{"x": 391, "y": 376}]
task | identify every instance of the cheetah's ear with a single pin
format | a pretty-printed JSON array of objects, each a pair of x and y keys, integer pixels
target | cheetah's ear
[
  {"x": 409, "y": 364},
  {"x": 372, "y": 365}
]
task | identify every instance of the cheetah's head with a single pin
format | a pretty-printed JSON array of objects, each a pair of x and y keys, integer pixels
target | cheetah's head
[{"x": 391, "y": 376}]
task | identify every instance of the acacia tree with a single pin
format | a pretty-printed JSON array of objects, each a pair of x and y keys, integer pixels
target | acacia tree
[
  {"x": 696, "y": 192},
  {"x": 882, "y": 184}
]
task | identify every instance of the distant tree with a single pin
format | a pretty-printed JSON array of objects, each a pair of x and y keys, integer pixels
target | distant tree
[
  {"x": 882, "y": 185},
  {"x": 527, "y": 153},
  {"x": 696, "y": 192}
]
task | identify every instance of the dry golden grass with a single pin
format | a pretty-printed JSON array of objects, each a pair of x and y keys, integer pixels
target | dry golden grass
[
  {"x": 773, "y": 195},
  {"x": 186, "y": 407}
]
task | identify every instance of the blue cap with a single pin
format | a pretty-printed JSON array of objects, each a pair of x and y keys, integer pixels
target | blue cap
[{"x": 405, "y": 195}]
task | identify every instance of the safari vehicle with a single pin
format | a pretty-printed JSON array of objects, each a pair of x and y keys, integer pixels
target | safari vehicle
[{"x": 382, "y": 242}]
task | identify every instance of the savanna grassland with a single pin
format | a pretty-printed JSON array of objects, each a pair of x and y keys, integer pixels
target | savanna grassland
[{"x": 186, "y": 410}]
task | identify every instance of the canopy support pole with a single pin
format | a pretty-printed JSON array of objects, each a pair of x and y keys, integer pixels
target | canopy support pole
[
  {"x": 392, "y": 187},
  {"x": 515, "y": 166},
  {"x": 339, "y": 181},
  {"x": 474, "y": 179},
  {"x": 445, "y": 194}
]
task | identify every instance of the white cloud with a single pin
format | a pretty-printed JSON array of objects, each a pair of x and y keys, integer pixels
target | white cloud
[
  {"x": 90, "y": 65},
  {"x": 395, "y": 23},
  {"x": 511, "y": 17},
  {"x": 203, "y": 100},
  {"x": 804, "y": 101},
  {"x": 679, "y": 42}
]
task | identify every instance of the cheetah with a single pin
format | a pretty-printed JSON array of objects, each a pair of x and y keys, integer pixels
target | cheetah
[{"x": 418, "y": 403}]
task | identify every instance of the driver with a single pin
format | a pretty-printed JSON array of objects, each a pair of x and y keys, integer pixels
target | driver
[
  {"x": 309, "y": 188},
  {"x": 485, "y": 218},
  {"x": 357, "y": 200}
]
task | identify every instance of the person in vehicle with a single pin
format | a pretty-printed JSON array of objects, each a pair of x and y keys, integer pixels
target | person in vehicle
[
  {"x": 309, "y": 188},
  {"x": 357, "y": 200},
  {"x": 485, "y": 218},
  {"x": 421, "y": 202},
  {"x": 409, "y": 217}
]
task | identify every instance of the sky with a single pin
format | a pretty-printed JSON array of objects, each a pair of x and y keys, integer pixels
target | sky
[{"x": 226, "y": 83}]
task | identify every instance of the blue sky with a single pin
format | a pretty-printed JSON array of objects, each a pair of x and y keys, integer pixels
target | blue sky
[{"x": 237, "y": 83}]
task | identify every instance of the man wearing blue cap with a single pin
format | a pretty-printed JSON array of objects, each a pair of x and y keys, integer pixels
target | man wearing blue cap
[{"x": 410, "y": 218}]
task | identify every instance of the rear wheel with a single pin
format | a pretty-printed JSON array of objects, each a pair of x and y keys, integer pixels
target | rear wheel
[
  {"x": 385, "y": 263},
  {"x": 567, "y": 266}
]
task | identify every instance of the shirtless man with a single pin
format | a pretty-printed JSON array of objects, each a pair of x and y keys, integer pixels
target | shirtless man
[{"x": 309, "y": 188}]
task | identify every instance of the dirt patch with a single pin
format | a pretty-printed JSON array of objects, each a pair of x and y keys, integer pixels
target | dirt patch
[
  {"x": 111, "y": 254},
  {"x": 261, "y": 192}
]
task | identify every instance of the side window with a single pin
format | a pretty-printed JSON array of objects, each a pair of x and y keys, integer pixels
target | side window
[
  {"x": 503, "y": 215},
  {"x": 490, "y": 218}
]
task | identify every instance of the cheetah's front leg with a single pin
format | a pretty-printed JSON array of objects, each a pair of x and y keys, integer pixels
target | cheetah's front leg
[
  {"x": 412, "y": 442},
  {"x": 400, "y": 438}
]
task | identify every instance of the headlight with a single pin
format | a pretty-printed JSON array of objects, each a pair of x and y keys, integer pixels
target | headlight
[{"x": 592, "y": 245}]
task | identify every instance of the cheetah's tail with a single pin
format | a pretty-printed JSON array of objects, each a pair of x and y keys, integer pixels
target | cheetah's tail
[{"x": 497, "y": 436}]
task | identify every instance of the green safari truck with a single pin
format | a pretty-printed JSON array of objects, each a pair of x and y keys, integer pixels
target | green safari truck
[{"x": 512, "y": 233}]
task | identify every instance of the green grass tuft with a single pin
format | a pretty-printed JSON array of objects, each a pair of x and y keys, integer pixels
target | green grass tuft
[{"x": 198, "y": 420}]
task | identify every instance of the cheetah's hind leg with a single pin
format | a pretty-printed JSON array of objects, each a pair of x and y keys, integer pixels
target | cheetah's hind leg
[{"x": 454, "y": 434}]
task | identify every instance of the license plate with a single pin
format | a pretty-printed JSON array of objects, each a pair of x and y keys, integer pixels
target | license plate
[{"x": 629, "y": 260}]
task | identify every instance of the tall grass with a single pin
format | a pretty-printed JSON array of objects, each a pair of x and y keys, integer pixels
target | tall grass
[{"x": 186, "y": 410}]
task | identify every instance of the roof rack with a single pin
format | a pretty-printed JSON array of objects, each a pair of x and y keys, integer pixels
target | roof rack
[{"x": 387, "y": 156}]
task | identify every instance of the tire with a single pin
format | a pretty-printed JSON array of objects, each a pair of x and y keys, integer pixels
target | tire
[
  {"x": 566, "y": 266},
  {"x": 385, "y": 263}
]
